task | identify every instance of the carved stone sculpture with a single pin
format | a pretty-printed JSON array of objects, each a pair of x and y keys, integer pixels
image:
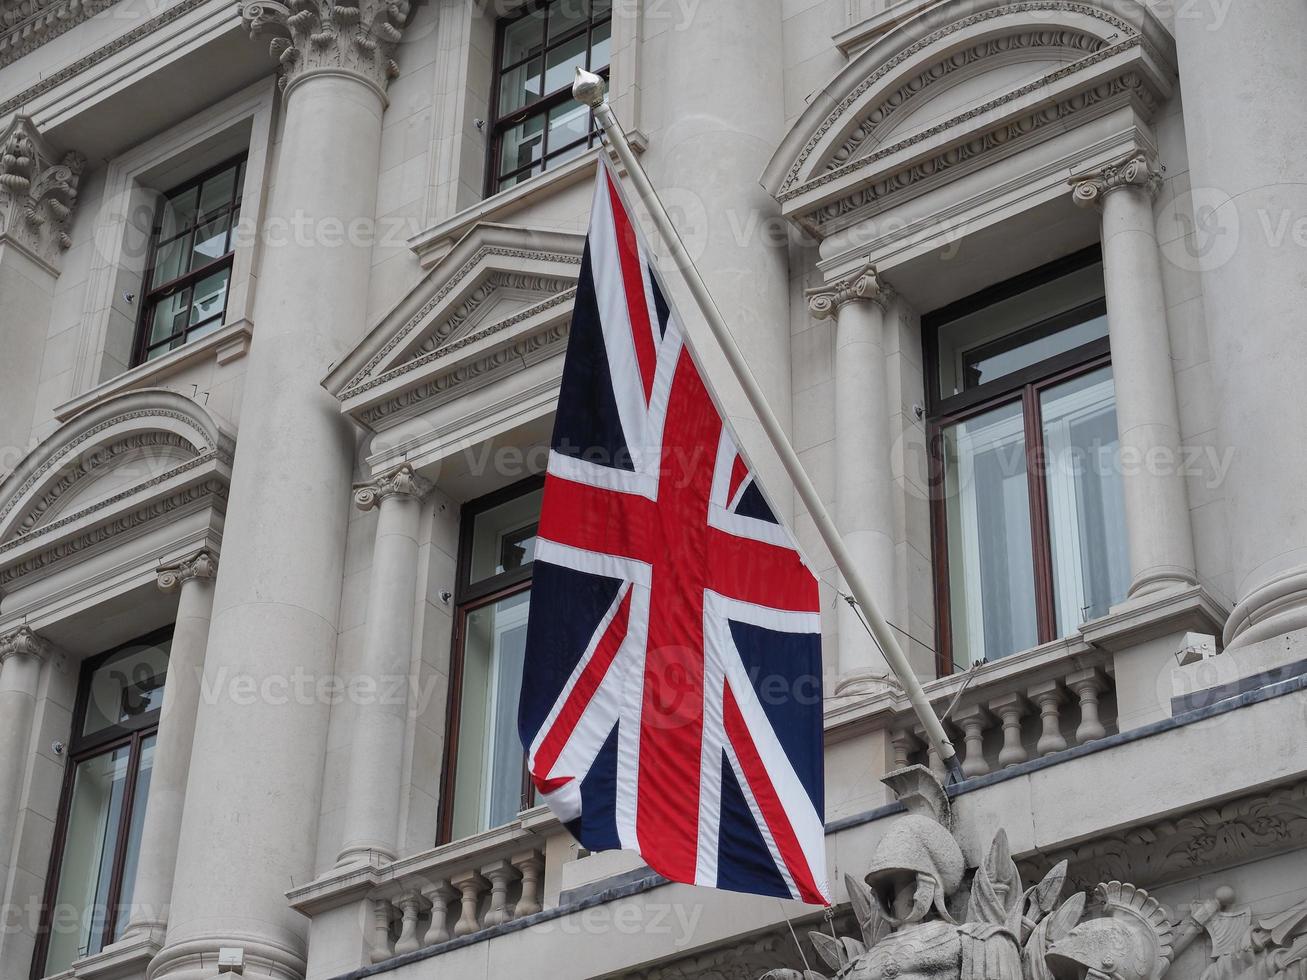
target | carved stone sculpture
[
  {"x": 1268, "y": 947},
  {"x": 919, "y": 920},
  {"x": 38, "y": 191}
]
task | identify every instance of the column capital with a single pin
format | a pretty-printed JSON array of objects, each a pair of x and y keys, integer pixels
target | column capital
[
  {"x": 400, "y": 482},
  {"x": 38, "y": 191},
  {"x": 203, "y": 564},
  {"x": 358, "y": 37},
  {"x": 863, "y": 286},
  {"x": 1137, "y": 169},
  {"x": 24, "y": 641}
]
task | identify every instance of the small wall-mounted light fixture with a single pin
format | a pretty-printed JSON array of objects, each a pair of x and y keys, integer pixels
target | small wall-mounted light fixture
[
  {"x": 129, "y": 297},
  {"x": 919, "y": 411},
  {"x": 58, "y": 747},
  {"x": 445, "y": 596}
]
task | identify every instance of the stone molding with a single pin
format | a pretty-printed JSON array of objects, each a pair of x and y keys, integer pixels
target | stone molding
[
  {"x": 360, "y": 37},
  {"x": 28, "y": 24},
  {"x": 38, "y": 192},
  {"x": 862, "y": 286},
  {"x": 202, "y": 565},
  {"x": 1134, "y": 170},
  {"x": 402, "y": 482},
  {"x": 24, "y": 641}
]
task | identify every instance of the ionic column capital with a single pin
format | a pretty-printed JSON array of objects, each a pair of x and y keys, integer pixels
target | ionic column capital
[
  {"x": 400, "y": 482},
  {"x": 359, "y": 37},
  {"x": 38, "y": 191},
  {"x": 1137, "y": 170},
  {"x": 24, "y": 641},
  {"x": 863, "y": 286},
  {"x": 202, "y": 565}
]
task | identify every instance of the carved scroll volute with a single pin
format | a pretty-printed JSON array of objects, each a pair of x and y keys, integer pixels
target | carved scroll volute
[
  {"x": 357, "y": 36},
  {"x": 38, "y": 191}
]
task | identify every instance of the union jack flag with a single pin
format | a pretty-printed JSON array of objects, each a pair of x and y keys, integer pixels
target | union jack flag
[{"x": 671, "y": 696}]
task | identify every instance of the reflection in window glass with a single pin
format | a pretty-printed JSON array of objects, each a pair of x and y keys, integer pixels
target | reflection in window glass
[
  {"x": 1091, "y": 567},
  {"x": 127, "y": 686},
  {"x": 488, "y": 777},
  {"x": 504, "y": 537},
  {"x": 991, "y": 566}
]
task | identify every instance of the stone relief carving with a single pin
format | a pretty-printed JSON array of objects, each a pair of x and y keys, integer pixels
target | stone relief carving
[
  {"x": 359, "y": 36},
  {"x": 202, "y": 565},
  {"x": 917, "y": 920},
  {"x": 864, "y": 285},
  {"x": 1134, "y": 170},
  {"x": 1248, "y": 947},
  {"x": 401, "y": 482},
  {"x": 23, "y": 641},
  {"x": 28, "y": 24},
  {"x": 38, "y": 191}
]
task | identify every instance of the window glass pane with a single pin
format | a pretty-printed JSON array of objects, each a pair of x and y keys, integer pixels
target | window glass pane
[
  {"x": 991, "y": 564},
  {"x": 178, "y": 213},
  {"x": 568, "y": 123},
  {"x": 601, "y": 42},
  {"x": 522, "y": 144},
  {"x": 210, "y": 296},
  {"x": 519, "y": 87},
  {"x": 217, "y": 192},
  {"x": 1021, "y": 330},
  {"x": 488, "y": 775},
  {"x": 510, "y": 181},
  {"x": 127, "y": 686},
  {"x": 210, "y": 242},
  {"x": 562, "y": 62},
  {"x": 169, "y": 260},
  {"x": 564, "y": 155},
  {"x": 524, "y": 37},
  {"x": 140, "y": 797},
  {"x": 503, "y": 537},
  {"x": 94, "y": 818},
  {"x": 565, "y": 16},
  {"x": 1086, "y": 510}
]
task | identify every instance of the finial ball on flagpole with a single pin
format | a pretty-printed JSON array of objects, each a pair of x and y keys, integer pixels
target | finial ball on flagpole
[{"x": 589, "y": 88}]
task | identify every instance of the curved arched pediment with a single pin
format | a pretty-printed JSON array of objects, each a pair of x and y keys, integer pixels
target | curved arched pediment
[
  {"x": 114, "y": 468},
  {"x": 955, "y": 84}
]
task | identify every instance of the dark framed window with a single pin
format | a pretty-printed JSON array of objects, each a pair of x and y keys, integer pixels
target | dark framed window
[
  {"x": 1028, "y": 520},
  {"x": 102, "y": 808},
  {"x": 485, "y": 783},
  {"x": 188, "y": 274},
  {"x": 537, "y": 124}
]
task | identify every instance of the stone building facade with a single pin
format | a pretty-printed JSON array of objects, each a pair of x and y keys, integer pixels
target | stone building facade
[{"x": 284, "y": 292}]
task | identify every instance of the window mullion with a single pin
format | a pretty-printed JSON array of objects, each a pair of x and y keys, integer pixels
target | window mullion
[
  {"x": 114, "y": 893},
  {"x": 1040, "y": 539}
]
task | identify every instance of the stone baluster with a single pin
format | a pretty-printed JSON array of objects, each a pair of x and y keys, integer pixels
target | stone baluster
[
  {"x": 193, "y": 580},
  {"x": 904, "y": 743},
  {"x": 531, "y": 866},
  {"x": 382, "y": 949},
  {"x": 22, "y": 653},
  {"x": 973, "y": 719},
  {"x": 1048, "y": 696},
  {"x": 440, "y": 896},
  {"x": 411, "y": 906},
  {"x": 1160, "y": 540},
  {"x": 1010, "y": 708},
  {"x": 380, "y": 726},
  {"x": 471, "y": 887},
  {"x": 276, "y": 607},
  {"x": 500, "y": 875},
  {"x": 864, "y": 489},
  {"x": 1087, "y": 685}
]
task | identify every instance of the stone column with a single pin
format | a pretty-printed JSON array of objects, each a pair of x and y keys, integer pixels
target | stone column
[
  {"x": 22, "y": 653},
  {"x": 1148, "y": 419},
  {"x": 260, "y": 743},
  {"x": 725, "y": 116},
  {"x": 193, "y": 579},
  {"x": 38, "y": 191},
  {"x": 373, "y": 788},
  {"x": 864, "y": 501},
  {"x": 1243, "y": 77}
]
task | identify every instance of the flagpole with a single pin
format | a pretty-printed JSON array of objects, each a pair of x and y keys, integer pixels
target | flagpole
[{"x": 589, "y": 89}]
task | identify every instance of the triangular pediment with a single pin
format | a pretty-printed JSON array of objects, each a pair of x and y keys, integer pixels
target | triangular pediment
[{"x": 496, "y": 278}]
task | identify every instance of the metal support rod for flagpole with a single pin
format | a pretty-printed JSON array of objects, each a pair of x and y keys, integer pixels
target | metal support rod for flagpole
[{"x": 589, "y": 89}]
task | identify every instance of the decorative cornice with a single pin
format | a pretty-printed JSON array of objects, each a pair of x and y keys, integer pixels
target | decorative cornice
[
  {"x": 38, "y": 191},
  {"x": 28, "y": 24},
  {"x": 202, "y": 565},
  {"x": 21, "y": 642},
  {"x": 402, "y": 482},
  {"x": 55, "y": 79},
  {"x": 1135, "y": 170},
  {"x": 864, "y": 286},
  {"x": 357, "y": 36}
]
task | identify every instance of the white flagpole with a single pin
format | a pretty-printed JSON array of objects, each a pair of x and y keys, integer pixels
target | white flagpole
[{"x": 589, "y": 89}]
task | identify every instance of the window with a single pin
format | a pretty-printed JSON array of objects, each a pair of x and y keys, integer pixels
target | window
[
  {"x": 538, "y": 124},
  {"x": 189, "y": 268},
  {"x": 1028, "y": 516},
  {"x": 485, "y": 781},
  {"x": 102, "y": 810}
]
